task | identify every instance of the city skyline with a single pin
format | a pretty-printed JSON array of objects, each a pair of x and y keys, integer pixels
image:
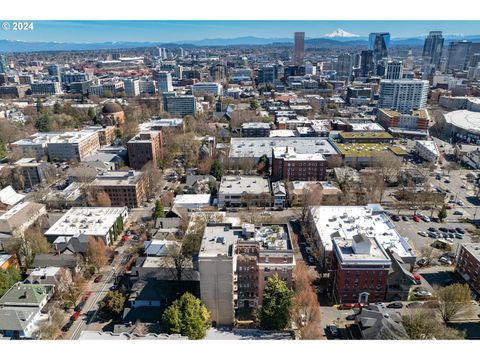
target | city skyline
[{"x": 184, "y": 31}]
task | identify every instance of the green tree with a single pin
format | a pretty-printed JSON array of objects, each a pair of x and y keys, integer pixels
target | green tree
[
  {"x": 26, "y": 246},
  {"x": 277, "y": 300},
  {"x": 159, "y": 211},
  {"x": 453, "y": 300},
  {"x": 3, "y": 149},
  {"x": 217, "y": 170},
  {"x": 264, "y": 163},
  {"x": 113, "y": 303},
  {"x": 8, "y": 278},
  {"x": 43, "y": 123},
  {"x": 40, "y": 108},
  {"x": 56, "y": 108},
  {"x": 254, "y": 105},
  {"x": 442, "y": 213},
  {"x": 186, "y": 316},
  {"x": 91, "y": 114}
]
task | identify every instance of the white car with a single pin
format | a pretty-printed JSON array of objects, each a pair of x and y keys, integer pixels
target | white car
[{"x": 422, "y": 233}]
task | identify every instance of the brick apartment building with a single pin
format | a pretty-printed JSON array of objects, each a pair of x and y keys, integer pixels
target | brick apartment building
[
  {"x": 144, "y": 147},
  {"x": 125, "y": 188},
  {"x": 235, "y": 262},
  {"x": 416, "y": 120},
  {"x": 289, "y": 165},
  {"x": 360, "y": 269},
  {"x": 468, "y": 264}
]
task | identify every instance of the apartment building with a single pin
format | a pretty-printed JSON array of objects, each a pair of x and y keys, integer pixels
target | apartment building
[
  {"x": 468, "y": 264},
  {"x": 235, "y": 262},
  {"x": 256, "y": 129},
  {"x": 244, "y": 191},
  {"x": 125, "y": 188},
  {"x": 287, "y": 164},
  {"x": 143, "y": 148},
  {"x": 73, "y": 145}
]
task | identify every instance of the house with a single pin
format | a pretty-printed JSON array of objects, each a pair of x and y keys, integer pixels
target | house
[
  {"x": 69, "y": 261},
  {"x": 244, "y": 191},
  {"x": 9, "y": 197},
  {"x": 50, "y": 275},
  {"x": 192, "y": 201},
  {"x": 378, "y": 323},
  {"x": 19, "y": 323},
  {"x": 23, "y": 295},
  {"x": 279, "y": 194}
]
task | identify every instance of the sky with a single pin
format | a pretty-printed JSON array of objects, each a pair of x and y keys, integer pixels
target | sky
[{"x": 172, "y": 31}]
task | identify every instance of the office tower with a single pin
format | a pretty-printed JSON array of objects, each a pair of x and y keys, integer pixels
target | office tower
[
  {"x": 132, "y": 87},
  {"x": 116, "y": 56},
  {"x": 268, "y": 74},
  {"x": 54, "y": 70},
  {"x": 403, "y": 95},
  {"x": 3, "y": 65},
  {"x": 299, "y": 48},
  {"x": 460, "y": 53},
  {"x": 432, "y": 49},
  {"x": 394, "y": 70},
  {"x": 179, "y": 105},
  {"x": 218, "y": 73},
  {"x": 344, "y": 65},
  {"x": 379, "y": 43},
  {"x": 474, "y": 60},
  {"x": 310, "y": 69},
  {"x": 366, "y": 63},
  {"x": 164, "y": 81}
]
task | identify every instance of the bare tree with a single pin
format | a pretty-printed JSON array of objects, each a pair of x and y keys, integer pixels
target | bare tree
[
  {"x": 453, "y": 300},
  {"x": 96, "y": 253}
]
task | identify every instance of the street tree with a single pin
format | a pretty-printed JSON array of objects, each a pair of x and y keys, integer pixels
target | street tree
[
  {"x": 442, "y": 213},
  {"x": 96, "y": 253},
  {"x": 51, "y": 328},
  {"x": 103, "y": 199},
  {"x": 113, "y": 302},
  {"x": 277, "y": 300},
  {"x": 453, "y": 300},
  {"x": 186, "y": 316}
]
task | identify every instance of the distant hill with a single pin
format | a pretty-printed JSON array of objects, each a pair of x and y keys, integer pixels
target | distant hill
[{"x": 342, "y": 40}]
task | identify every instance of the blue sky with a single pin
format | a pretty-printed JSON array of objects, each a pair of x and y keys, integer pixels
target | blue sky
[{"x": 170, "y": 31}]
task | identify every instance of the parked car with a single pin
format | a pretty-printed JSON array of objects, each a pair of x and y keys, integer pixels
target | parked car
[
  {"x": 87, "y": 296},
  {"x": 459, "y": 236},
  {"x": 425, "y": 218},
  {"x": 447, "y": 181},
  {"x": 445, "y": 260},
  {"x": 98, "y": 278},
  {"x": 449, "y": 206},
  {"x": 405, "y": 218},
  {"x": 422, "y": 233},
  {"x": 422, "y": 261},
  {"x": 461, "y": 203},
  {"x": 345, "y": 306},
  {"x": 416, "y": 218},
  {"x": 460, "y": 230},
  {"x": 75, "y": 316},
  {"x": 432, "y": 229},
  {"x": 458, "y": 212},
  {"x": 350, "y": 317},
  {"x": 79, "y": 307},
  {"x": 443, "y": 229},
  {"x": 395, "y": 305},
  {"x": 422, "y": 293},
  {"x": 333, "y": 329},
  {"x": 396, "y": 218}
]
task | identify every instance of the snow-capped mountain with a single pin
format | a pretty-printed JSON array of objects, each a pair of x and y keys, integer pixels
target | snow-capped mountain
[{"x": 340, "y": 33}]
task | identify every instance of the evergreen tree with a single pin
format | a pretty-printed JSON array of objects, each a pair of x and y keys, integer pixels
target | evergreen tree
[
  {"x": 442, "y": 213},
  {"x": 40, "y": 108},
  {"x": 159, "y": 211},
  {"x": 277, "y": 300},
  {"x": 186, "y": 316},
  {"x": 217, "y": 170}
]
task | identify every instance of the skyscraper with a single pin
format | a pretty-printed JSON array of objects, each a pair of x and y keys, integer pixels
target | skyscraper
[
  {"x": 3, "y": 65},
  {"x": 379, "y": 43},
  {"x": 394, "y": 70},
  {"x": 344, "y": 65},
  {"x": 164, "y": 81},
  {"x": 432, "y": 49},
  {"x": 460, "y": 53},
  {"x": 366, "y": 63},
  {"x": 299, "y": 48}
]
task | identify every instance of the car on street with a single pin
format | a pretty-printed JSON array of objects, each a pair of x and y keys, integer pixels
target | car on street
[
  {"x": 416, "y": 218},
  {"x": 396, "y": 218},
  {"x": 350, "y": 317},
  {"x": 422, "y": 293},
  {"x": 79, "y": 306},
  {"x": 461, "y": 203},
  {"x": 75, "y": 316},
  {"x": 460, "y": 230},
  {"x": 98, "y": 278},
  {"x": 422, "y": 233},
  {"x": 405, "y": 218},
  {"x": 445, "y": 260},
  {"x": 432, "y": 229},
  {"x": 395, "y": 305},
  {"x": 458, "y": 212},
  {"x": 87, "y": 296},
  {"x": 333, "y": 330},
  {"x": 447, "y": 181}
]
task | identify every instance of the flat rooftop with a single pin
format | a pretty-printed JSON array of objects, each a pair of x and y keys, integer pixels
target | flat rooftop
[
  {"x": 118, "y": 178},
  {"x": 158, "y": 124},
  {"x": 86, "y": 220},
  {"x": 347, "y": 254},
  {"x": 256, "y": 147},
  {"x": 232, "y": 184},
  {"x": 464, "y": 119},
  {"x": 366, "y": 126},
  {"x": 290, "y": 154},
  {"x": 192, "y": 199},
  {"x": 256, "y": 125},
  {"x": 347, "y": 221},
  {"x": 473, "y": 249},
  {"x": 366, "y": 135},
  {"x": 369, "y": 149},
  {"x": 72, "y": 137},
  {"x": 428, "y": 144}
]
